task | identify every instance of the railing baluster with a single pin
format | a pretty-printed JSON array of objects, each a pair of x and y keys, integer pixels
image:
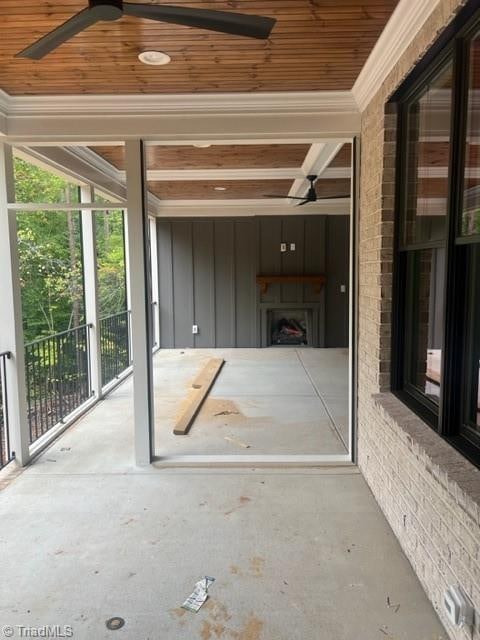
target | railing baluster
[
  {"x": 58, "y": 372},
  {"x": 114, "y": 345}
]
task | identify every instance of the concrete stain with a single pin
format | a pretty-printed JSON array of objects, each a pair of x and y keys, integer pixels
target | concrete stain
[
  {"x": 206, "y": 630},
  {"x": 242, "y": 501},
  {"x": 178, "y": 612},
  {"x": 218, "y": 612},
  {"x": 235, "y": 570},
  {"x": 251, "y": 631},
  {"x": 211, "y": 630},
  {"x": 257, "y": 565}
]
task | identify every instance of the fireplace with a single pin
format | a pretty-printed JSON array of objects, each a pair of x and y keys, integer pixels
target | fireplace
[{"x": 289, "y": 327}]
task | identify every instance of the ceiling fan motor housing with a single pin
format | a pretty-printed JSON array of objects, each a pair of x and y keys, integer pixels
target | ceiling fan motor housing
[{"x": 107, "y": 10}]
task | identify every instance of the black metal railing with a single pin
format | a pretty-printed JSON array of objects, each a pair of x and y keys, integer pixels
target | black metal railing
[
  {"x": 114, "y": 345},
  {"x": 6, "y": 454},
  {"x": 57, "y": 377}
]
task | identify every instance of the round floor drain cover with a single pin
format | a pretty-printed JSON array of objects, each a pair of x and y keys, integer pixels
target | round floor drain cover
[{"x": 115, "y": 623}]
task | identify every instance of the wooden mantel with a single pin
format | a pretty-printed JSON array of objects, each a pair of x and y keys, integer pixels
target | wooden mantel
[{"x": 316, "y": 281}]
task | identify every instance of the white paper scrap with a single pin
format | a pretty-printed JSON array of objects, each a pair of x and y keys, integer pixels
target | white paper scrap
[{"x": 199, "y": 595}]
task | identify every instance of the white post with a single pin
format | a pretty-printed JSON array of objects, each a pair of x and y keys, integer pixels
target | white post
[
  {"x": 154, "y": 277},
  {"x": 91, "y": 290},
  {"x": 128, "y": 295},
  {"x": 11, "y": 322},
  {"x": 138, "y": 251}
]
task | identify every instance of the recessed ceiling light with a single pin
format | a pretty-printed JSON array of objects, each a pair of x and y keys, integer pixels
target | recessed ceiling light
[
  {"x": 220, "y": 188},
  {"x": 202, "y": 145},
  {"x": 154, "y": 57}
]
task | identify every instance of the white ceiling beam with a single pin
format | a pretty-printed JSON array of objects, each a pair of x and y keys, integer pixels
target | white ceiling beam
[
  {"x": 176, "y": 119},
  {"x": 180, "y": 129},
  {"x": 184, "y": 103},
  {"x": 173, "y": 175},
  {"x": 254, "y": 207},
  {"x": 316, "y": 162},
  {"x": 223, "y": 174}
]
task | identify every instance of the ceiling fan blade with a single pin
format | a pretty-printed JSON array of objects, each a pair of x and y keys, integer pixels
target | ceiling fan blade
[
  {"x": 223, "y": 21},
  {"x": 333, "y": 197},
  {"x": 269, "y": 195},
  {"x": 58, "y": 36}
]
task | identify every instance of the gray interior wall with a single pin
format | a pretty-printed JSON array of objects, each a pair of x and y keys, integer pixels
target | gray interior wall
[{"x": 207, "y": 270}]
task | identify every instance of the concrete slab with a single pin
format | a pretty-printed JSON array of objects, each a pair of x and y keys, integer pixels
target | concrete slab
[
  {"x": 296, "y": 556},
  {"x": 250, "y": 425},
  {"x": 271, "y": 401}
]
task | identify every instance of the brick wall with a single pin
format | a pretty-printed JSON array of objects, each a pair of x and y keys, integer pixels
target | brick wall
[{"x": 429, "y": 493}]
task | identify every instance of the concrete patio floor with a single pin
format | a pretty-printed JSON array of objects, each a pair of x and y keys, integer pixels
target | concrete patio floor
[
  {"x": 297, "y": 554},
  {"x": 264, "y": 401}
]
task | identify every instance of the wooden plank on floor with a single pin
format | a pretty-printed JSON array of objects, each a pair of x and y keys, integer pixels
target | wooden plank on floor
[{"x": 202, "y": 383}]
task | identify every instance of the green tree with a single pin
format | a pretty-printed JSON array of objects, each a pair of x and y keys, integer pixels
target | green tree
[{"x": 49, "y": 253}]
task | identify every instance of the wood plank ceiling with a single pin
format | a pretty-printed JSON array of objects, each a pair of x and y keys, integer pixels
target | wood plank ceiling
[
  {"x": 254, "y": 156},
  {"x": 316, "y": 45},
  {"x": 175, "y": 159}
]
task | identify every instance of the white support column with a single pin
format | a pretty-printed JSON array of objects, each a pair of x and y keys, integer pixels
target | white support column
[
  {"x": 128, "y": 290},
  {"x": 154, "y": 277},
  {"x": 139, "y": 269},
  {"x": 11, "y": 323},
  {"x": 91, "y": 289}
]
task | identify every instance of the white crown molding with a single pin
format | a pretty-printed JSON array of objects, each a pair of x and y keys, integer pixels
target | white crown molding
[
  {"x": 404, "y": 24},
  {"x": 221, "y": 103}
]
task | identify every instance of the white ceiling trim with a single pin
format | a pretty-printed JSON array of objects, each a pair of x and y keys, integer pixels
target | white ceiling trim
[
  {"x": 94, "y": 105},
  {"x": 404, "y": 24},
  {"x": 291, "y": 173},
  {"x": 254, "y": 207},
  {"x": 165, "y": 175}
]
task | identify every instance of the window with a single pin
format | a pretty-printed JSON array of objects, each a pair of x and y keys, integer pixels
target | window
[{"x": 436, "y": 328}]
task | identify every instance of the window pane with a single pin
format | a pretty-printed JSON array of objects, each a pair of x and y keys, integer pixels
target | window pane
[
  {"x": 428, "y": 151},
  {"x": 472, "y": 352},
  {"x": 424, "y": 320},
  {"x": 471, "y": 185}
]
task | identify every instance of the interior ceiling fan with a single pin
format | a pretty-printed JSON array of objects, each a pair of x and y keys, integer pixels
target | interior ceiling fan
[
  {"x": 311, "y": 194},
  {"x": 110, "y": 10}
]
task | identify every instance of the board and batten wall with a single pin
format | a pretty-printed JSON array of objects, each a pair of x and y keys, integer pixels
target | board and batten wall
[{"x": 207, "y": 269}]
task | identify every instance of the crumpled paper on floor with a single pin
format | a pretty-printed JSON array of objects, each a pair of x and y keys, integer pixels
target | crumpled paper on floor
[{"x": 199, "y": 596}]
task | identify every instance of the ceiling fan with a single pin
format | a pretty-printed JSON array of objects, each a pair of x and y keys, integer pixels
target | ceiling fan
[
  {"x": 110, "y": 10},
  {"x": 311, "y": 194}
]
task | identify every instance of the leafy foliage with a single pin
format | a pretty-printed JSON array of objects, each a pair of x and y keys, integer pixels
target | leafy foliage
[
  {"x": 50, "y": 255},
  {"x": 110, "y": 262}
]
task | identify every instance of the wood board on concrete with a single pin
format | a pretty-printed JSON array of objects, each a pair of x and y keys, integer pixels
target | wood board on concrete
[{"x": 202, "y": 385}]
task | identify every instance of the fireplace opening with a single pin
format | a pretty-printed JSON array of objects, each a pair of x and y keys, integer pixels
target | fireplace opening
[{"x": 289, "y": 327}]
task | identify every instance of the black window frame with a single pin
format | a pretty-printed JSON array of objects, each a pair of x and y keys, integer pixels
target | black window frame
[{"x": 446, "y": 418}]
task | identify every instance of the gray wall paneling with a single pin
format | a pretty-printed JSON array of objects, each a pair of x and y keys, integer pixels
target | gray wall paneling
[
  {"x": 204, "y": 283},
  {"x": 245, "y": 285},
  {"x": 165, "y": 284},
  {"x": 224, "y": 244},
  {"x": 207, "y": 270},
  {"x": 337, "y": 262}
]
